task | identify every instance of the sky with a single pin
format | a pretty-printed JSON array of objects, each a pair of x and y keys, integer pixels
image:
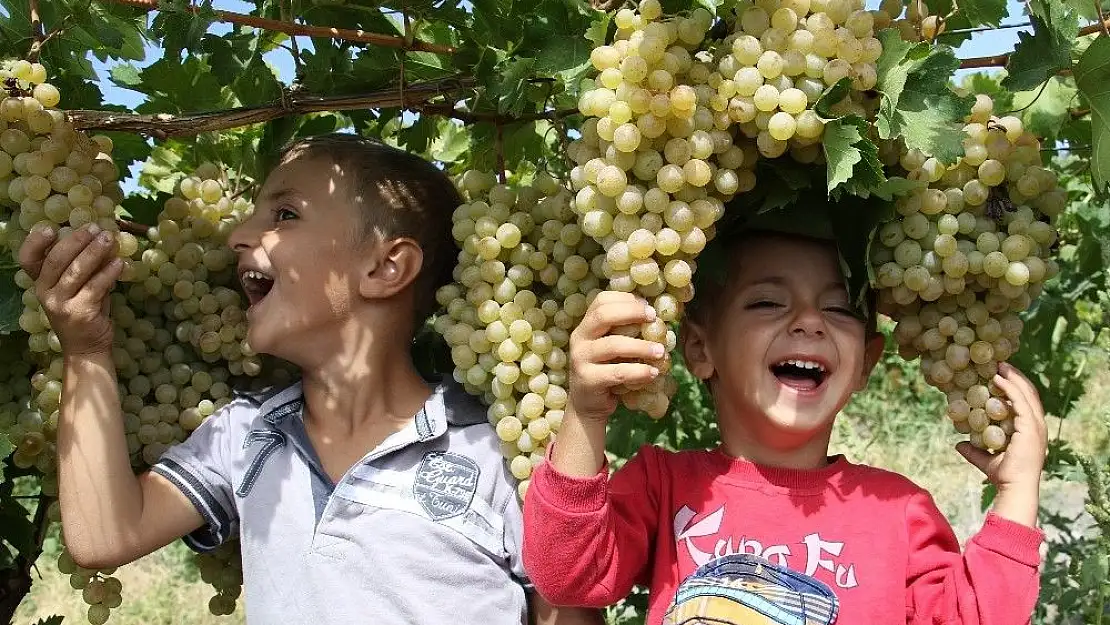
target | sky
[{"x": 985, "y": 43}]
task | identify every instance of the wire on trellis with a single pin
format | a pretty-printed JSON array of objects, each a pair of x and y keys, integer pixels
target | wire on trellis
[{"x": 358, "y": 36}]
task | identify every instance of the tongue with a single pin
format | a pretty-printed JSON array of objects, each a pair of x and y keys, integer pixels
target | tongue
[{"x": 797, "y": 381}]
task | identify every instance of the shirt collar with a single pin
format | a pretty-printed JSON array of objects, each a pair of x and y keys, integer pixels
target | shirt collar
[{"x": 448, "y": 405}]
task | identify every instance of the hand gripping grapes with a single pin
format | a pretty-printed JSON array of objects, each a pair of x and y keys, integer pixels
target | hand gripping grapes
[
  {"x": 1015, "y": 472},
  {"x": 73, "y": 277},
  {"x": 603, "y": 364}
]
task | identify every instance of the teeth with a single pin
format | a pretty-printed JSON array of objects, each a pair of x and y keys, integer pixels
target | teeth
[
  {"x": 255, "y": 275},
  {"x": 804, "y": 364}
]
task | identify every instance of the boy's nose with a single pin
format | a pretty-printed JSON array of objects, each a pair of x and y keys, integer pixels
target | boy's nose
[
  {"x": 243, "y": 237},
  {"x": 808, "y": 321}
]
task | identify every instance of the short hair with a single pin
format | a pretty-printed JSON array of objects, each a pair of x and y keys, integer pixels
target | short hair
[
  {"x": 400, "y": 195},
  {"x": 711, "y": 282}
]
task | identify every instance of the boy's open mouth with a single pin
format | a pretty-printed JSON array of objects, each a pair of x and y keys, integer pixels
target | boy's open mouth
[
  {"x": 256, "y": 285},
  {"x": 803, "y": 375}
]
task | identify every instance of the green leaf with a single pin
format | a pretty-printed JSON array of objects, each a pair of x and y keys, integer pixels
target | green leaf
[
  {"x": 987, "y": 498},
  {"x": 851, "y": 156},
  {"x": 598, "y": 32},
  {"x": 841, "y": 153},
  {"x": 143, "y": 209},
  {"x": 11, "y": 303},
  {"x": 450, "y": 143},
  {"x": 509, "y": 92},
  {"x": 1092, "y": 77},
  {"x": 979, "y": 12},
  {"x": 917, "y": 103},
  {"x": 1038, "y": 56},
  {"x": 50, "y": 620},
  {"x": 6, "y": 448},
  {"x": 831, "y": 97},
  {"x": 1045, "y": 110},
  {"x": 162, "y": 170},
  {"x": 896, "y": 186}
]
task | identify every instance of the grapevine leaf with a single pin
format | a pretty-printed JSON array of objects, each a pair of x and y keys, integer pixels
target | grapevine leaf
[
  {"x": 840, "y": 139},
  {"x": 1092, "y": 77},
  {"x": 1038, "y": 56},
  {"x": 417, "y": 136},
  {"x": 892, "y": 69},
  {"x": 1045, "y": 110},
  {"x": 50, "y": 620},
  {"x": 598, "y": 32},
  {"x": 896, "y": 186},
  {"x": 6, "y": 448},
  {"x": 927, "y": 113},
  {"x": 178, "y": 27},
  {"x": 162, "y": 170},
  {"x": 11, "y": 303},
  {"x": 510, "y": 91},
  {"x": 980, "y": 12},
  {"x": 180, "y": 86},
  {"x": 854, "y": 222},
  {"x": 450, "y": 143},
  {"x": 851, "y": 156},
  {"x": 831, "y": 97},
  {"x": 143, "y": 209}
]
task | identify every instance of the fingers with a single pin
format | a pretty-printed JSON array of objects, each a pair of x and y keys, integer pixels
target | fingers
[
  {"x": 1028, "y": 411},
  {"x": 624, "y": 373},
  {"x": 618, "y": 347},
  {"x": 34, "y": 249},
  {"x": 98, "y": 286},
  {"x": 62, "y": 255},
  {"x": 982, "y": 460},
  {"x": 85, "y": 266},
  {"x": 612, "y": 309},
  {"x": 1018, "y": 384}
]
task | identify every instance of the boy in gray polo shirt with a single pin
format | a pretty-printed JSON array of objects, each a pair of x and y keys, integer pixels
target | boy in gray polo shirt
[{"x": 348, "y": 507}]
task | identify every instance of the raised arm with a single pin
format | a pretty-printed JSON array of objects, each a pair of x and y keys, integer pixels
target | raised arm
[
  {"x": 109, "y": 515},
  {"x": 588, "y": 540}
]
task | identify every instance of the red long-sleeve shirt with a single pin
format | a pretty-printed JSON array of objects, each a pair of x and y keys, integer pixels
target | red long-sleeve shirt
[{"x": 874, "y": 537}]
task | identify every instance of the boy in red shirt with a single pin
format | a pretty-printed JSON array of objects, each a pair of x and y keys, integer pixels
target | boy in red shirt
[{"x": 782, "y": 350}]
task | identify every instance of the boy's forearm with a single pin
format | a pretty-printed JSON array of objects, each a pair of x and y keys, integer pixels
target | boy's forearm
[
  {"x": 100, "y": 497},
  {"x": 580, "y": 448},
  {"x": 1018, "y": 503}
]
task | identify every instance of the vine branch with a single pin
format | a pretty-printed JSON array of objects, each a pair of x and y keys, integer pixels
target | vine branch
[
  {"x": 1000, "y": 60},
  {"x": 37, "y": 36},
  {"x": 163, "y": 125},
  {"x": 359, "y": 36}
]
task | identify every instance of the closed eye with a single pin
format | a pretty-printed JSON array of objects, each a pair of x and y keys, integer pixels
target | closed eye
[
  {"x": 764, "y": 304},
  {"x": 845, "y": 311}
]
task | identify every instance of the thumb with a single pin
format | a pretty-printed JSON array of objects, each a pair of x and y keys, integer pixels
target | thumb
[{"x": 978, "y": 457}]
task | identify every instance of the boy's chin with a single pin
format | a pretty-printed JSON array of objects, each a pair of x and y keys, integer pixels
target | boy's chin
[{"x": 800, "y": 420}]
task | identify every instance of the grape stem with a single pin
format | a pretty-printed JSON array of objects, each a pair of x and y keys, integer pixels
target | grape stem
[
  {"x": 132, "y": 227},
  {"x": 499, "y": 148},
  {"x": 358, "y": 36}
]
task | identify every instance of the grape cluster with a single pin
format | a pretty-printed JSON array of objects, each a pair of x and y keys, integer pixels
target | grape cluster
[
  {"x": 179, "y": 320},
  {"x": 913, "y": 21},
  {"x": 654, "y": 166},
  {"x": 100, "y": 591},
  {"x": 781, "y": 57},
  {"x": 524, "y": 278},
  {"x": 223, "y": 569},
  {"x": 967, "y": 253}
]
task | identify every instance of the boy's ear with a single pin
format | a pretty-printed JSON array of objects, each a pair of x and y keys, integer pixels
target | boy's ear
[
  {"x": 695, "y": 350},
  {"x": 873, "y": 351},
  {"x": 390, "y": 268}
]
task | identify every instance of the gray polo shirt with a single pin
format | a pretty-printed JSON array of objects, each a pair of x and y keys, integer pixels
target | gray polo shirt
[{"x": 426, "y": 528}]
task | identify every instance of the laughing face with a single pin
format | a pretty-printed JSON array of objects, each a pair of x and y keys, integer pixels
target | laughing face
[
  {"x": 785, "y": 349},
  {"x": 299, "y": 258}
]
